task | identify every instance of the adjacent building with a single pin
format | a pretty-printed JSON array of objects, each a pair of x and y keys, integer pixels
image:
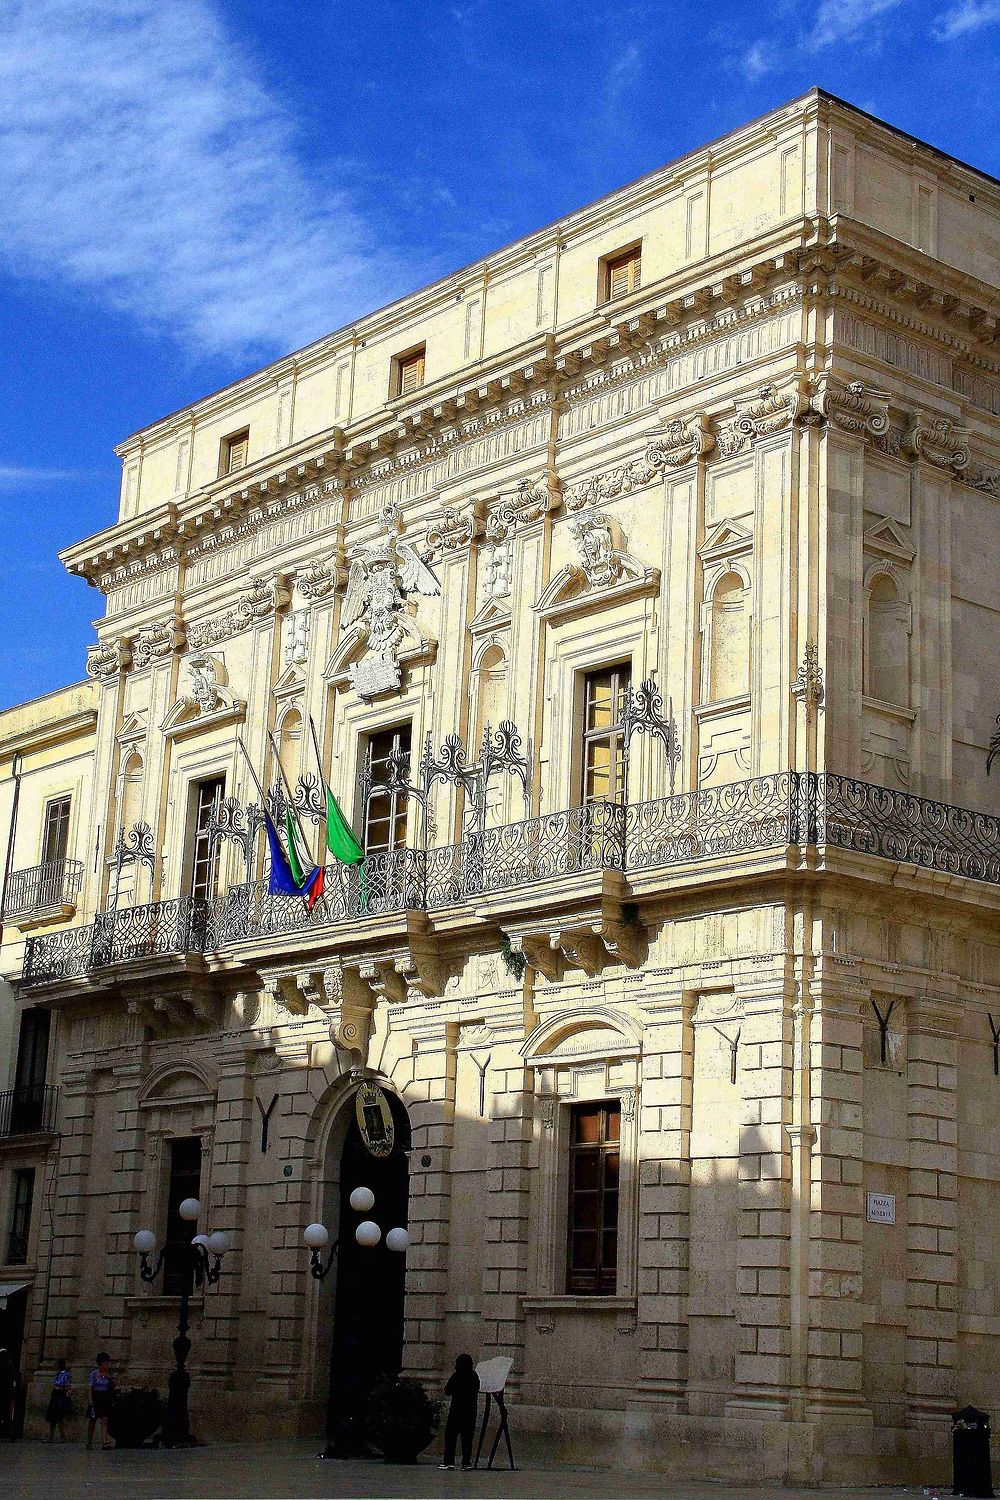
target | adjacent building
[{"x": 634, "y": 591}]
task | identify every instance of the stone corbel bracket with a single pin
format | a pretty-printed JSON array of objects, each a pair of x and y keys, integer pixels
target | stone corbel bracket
[{"x": 597, "y": 934}]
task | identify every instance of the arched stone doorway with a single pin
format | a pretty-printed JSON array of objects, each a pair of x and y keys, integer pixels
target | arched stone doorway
[{"x": 367, "y": 1337}]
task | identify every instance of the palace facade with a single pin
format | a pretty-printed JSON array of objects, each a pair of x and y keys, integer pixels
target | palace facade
[{"x": 640, "y": 585}]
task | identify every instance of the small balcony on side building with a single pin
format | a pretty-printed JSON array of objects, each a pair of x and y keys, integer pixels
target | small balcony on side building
[{"x": 43, "y": 893}]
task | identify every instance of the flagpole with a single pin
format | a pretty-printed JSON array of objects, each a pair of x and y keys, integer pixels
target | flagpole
[
  {"x": 253, "y": 773},
  {"x": 322, "y": 782},
  {"x": 288, "y": 791}
]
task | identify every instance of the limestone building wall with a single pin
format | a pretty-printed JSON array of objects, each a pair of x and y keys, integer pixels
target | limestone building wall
[{"x": 762, "y": 480}]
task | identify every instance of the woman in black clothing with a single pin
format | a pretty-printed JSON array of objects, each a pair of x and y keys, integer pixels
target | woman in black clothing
[{"x": 463, "y": 1388}]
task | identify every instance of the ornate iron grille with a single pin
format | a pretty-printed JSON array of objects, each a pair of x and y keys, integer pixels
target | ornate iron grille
[
  {"x": 872, "y": 820},
  {"x": 560, "y": 843},
  {"x": 43, "y": 887},
  {"x": 745, "y": 815}
]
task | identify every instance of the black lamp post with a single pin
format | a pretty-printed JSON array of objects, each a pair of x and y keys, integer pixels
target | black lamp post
[
  {"x": 368, "y": 1234},
  {"x": 196, "y": 1264}
]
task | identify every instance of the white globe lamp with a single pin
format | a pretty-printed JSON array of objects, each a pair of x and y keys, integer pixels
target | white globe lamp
[
  {"x": 218, "y": 1242},
  {"x": 398, "y": 1240},
  {"x": 189, "y": 1210},
  {"x": 200, "y": 1239},
  {"x": 316, "y": 1236},
  {"x": 145, "y": 1242},
  {"x": 362, "y": 1200},
  {"x": 368, "y": 1234}
]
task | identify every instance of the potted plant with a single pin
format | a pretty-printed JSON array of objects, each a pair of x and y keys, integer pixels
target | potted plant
[
  {"x": 136, "y": 1415},
  {"x": 402, "y": 1420}
]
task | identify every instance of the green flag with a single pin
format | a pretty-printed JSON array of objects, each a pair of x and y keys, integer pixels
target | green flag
[{"x": 340, "y": 837}]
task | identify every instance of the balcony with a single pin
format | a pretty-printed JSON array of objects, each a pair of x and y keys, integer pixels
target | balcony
[
  {"x": 561, "y": 855},
  {"x": 27, "y": 1111},
  {"x": 45, "y": 892}
]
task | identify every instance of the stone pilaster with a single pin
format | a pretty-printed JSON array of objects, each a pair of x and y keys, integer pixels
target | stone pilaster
[
  {"x": 505, "y": 1266},
  {"x": 70, "y": 1213},
  {"x": 834, "y": 1364},
  {"x": 225, "y": 1207},
  {"x": 931, "y": 1209},
  {"x": 431, "y": 1102}
]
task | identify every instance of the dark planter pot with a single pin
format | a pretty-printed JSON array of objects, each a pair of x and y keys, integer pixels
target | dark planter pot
[{"x": 402, "y": 1420}]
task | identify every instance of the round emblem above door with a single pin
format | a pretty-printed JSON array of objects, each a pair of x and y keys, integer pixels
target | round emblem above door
[{"x": 374, "y": 1119}]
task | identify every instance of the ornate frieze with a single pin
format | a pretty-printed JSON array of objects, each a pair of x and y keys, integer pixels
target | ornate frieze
[
  {"x": 157, "y": 642},
  {"x": 621, "y": 480},
  {"x": 108, "y": 658},
  {"x": 939, "y": 440},
  {"x": 264, "y": 598},
  {"x": 533, "y": 499}
]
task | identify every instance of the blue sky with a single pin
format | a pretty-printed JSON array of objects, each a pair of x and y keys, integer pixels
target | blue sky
[{"x": 189, "y": 188}]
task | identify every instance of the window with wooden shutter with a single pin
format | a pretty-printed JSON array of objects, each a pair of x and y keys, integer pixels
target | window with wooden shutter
[
  {"x": 234, "y": 451},
  {"x": 592, "y": 1260},
  {"x": 623, "y": 273},
  {"x": 410, "y": 371},
  {"x": 604, "y": 694}
]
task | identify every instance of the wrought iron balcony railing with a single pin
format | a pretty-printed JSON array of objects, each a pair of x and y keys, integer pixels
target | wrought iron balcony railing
[
  {"x": 114, "y": 937},
  {"x": 46, "y": 887},
  {"x": 26, "y": 1111},
  {"x": 785, "y": 810}
]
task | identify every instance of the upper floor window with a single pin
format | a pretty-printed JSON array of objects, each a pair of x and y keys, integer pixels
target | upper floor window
[
  {"x": 603, "y": 742},
  {"x": 234, "y": 452},
  {"x": 20, "y": 1216},
  {"x": 185, "y": 1182},
  {"x": 385, "y": 814},
  {"x": 408, "y": 371},
  {"x": 594, "y": 1147},
  {"x": 622, "y": 273},
  {"x": 207, "y": 796},
  {"x": 28, "y": 1105},
  {"x": 55, "y": 831}
]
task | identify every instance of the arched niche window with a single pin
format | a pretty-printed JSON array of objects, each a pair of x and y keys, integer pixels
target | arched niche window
[
  {"x": 289, "y": 743},
  {"x": 490, "y": 708},
  {"x": 130, "y": 809},
  {"x": 887, "y": 642},
  {"x": 730, "y": 647}
]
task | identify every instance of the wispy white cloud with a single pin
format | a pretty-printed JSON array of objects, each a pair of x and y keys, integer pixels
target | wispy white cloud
[
  {"x": 968, "y": 15},
  {"x": 143, "y": 161},
  {"x": 622, "y": 75},
  {"x": 14, "y": 477},
  {"x": 842, "y": 20},
  {"x": 833, "y": 22}
]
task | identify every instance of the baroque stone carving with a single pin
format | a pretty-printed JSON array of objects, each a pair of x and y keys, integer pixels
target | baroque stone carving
[
  {"x": 939, "y": 440},
  {"x": 209, "y": 683},
  {"x": 681, "y": 443},
  {"x": 770, "y": 409},
  {"x": 107, "y": 659},
  {"x": 382, "y": 574},
  {"x": 856, "y": 407},
  {"x": 297, "y": 637},
  {"x": 619, "y": 481},
  {"x": 317, "y": 580},
  {"x": 499, "y": 561},
  {"x": 450, "y": 532},
  {"x": 533, "y": 499},
  {"x": 156, "y": 642},
  {"x": 599, "y": 541},
  {"x": 263, "y": 598}
]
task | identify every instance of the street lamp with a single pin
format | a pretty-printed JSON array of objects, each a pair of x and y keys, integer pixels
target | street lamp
[
  {"x": 196, "y": 1264},
  {"x": 368, "y": 1234}
]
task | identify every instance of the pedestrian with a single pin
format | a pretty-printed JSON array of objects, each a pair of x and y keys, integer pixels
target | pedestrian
[
  {"x": 60, "y": 1402},
  {"x": 101, "y": 1385},
  {"x": 8, "y": 1386},
  {"x": 463, "y": 1388}
]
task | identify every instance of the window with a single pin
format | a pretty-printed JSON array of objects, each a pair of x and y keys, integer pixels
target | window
[
  {"x": 185, "y": 1182},
  {"x": 28, "y": 1104},
  {"x": 603, "y": 742},
  {"x": 55, "y": 831},
  {"x": 385, "y": 815},
  {"x": 20, "y": 1216},
  {"x": 234, "y": 452},
  {"x": 593, "y": 1199},
  {"x": 622, "y": 273},
  {"x": 207, "y": 797},
  {"x": 409, "y": 371}
]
